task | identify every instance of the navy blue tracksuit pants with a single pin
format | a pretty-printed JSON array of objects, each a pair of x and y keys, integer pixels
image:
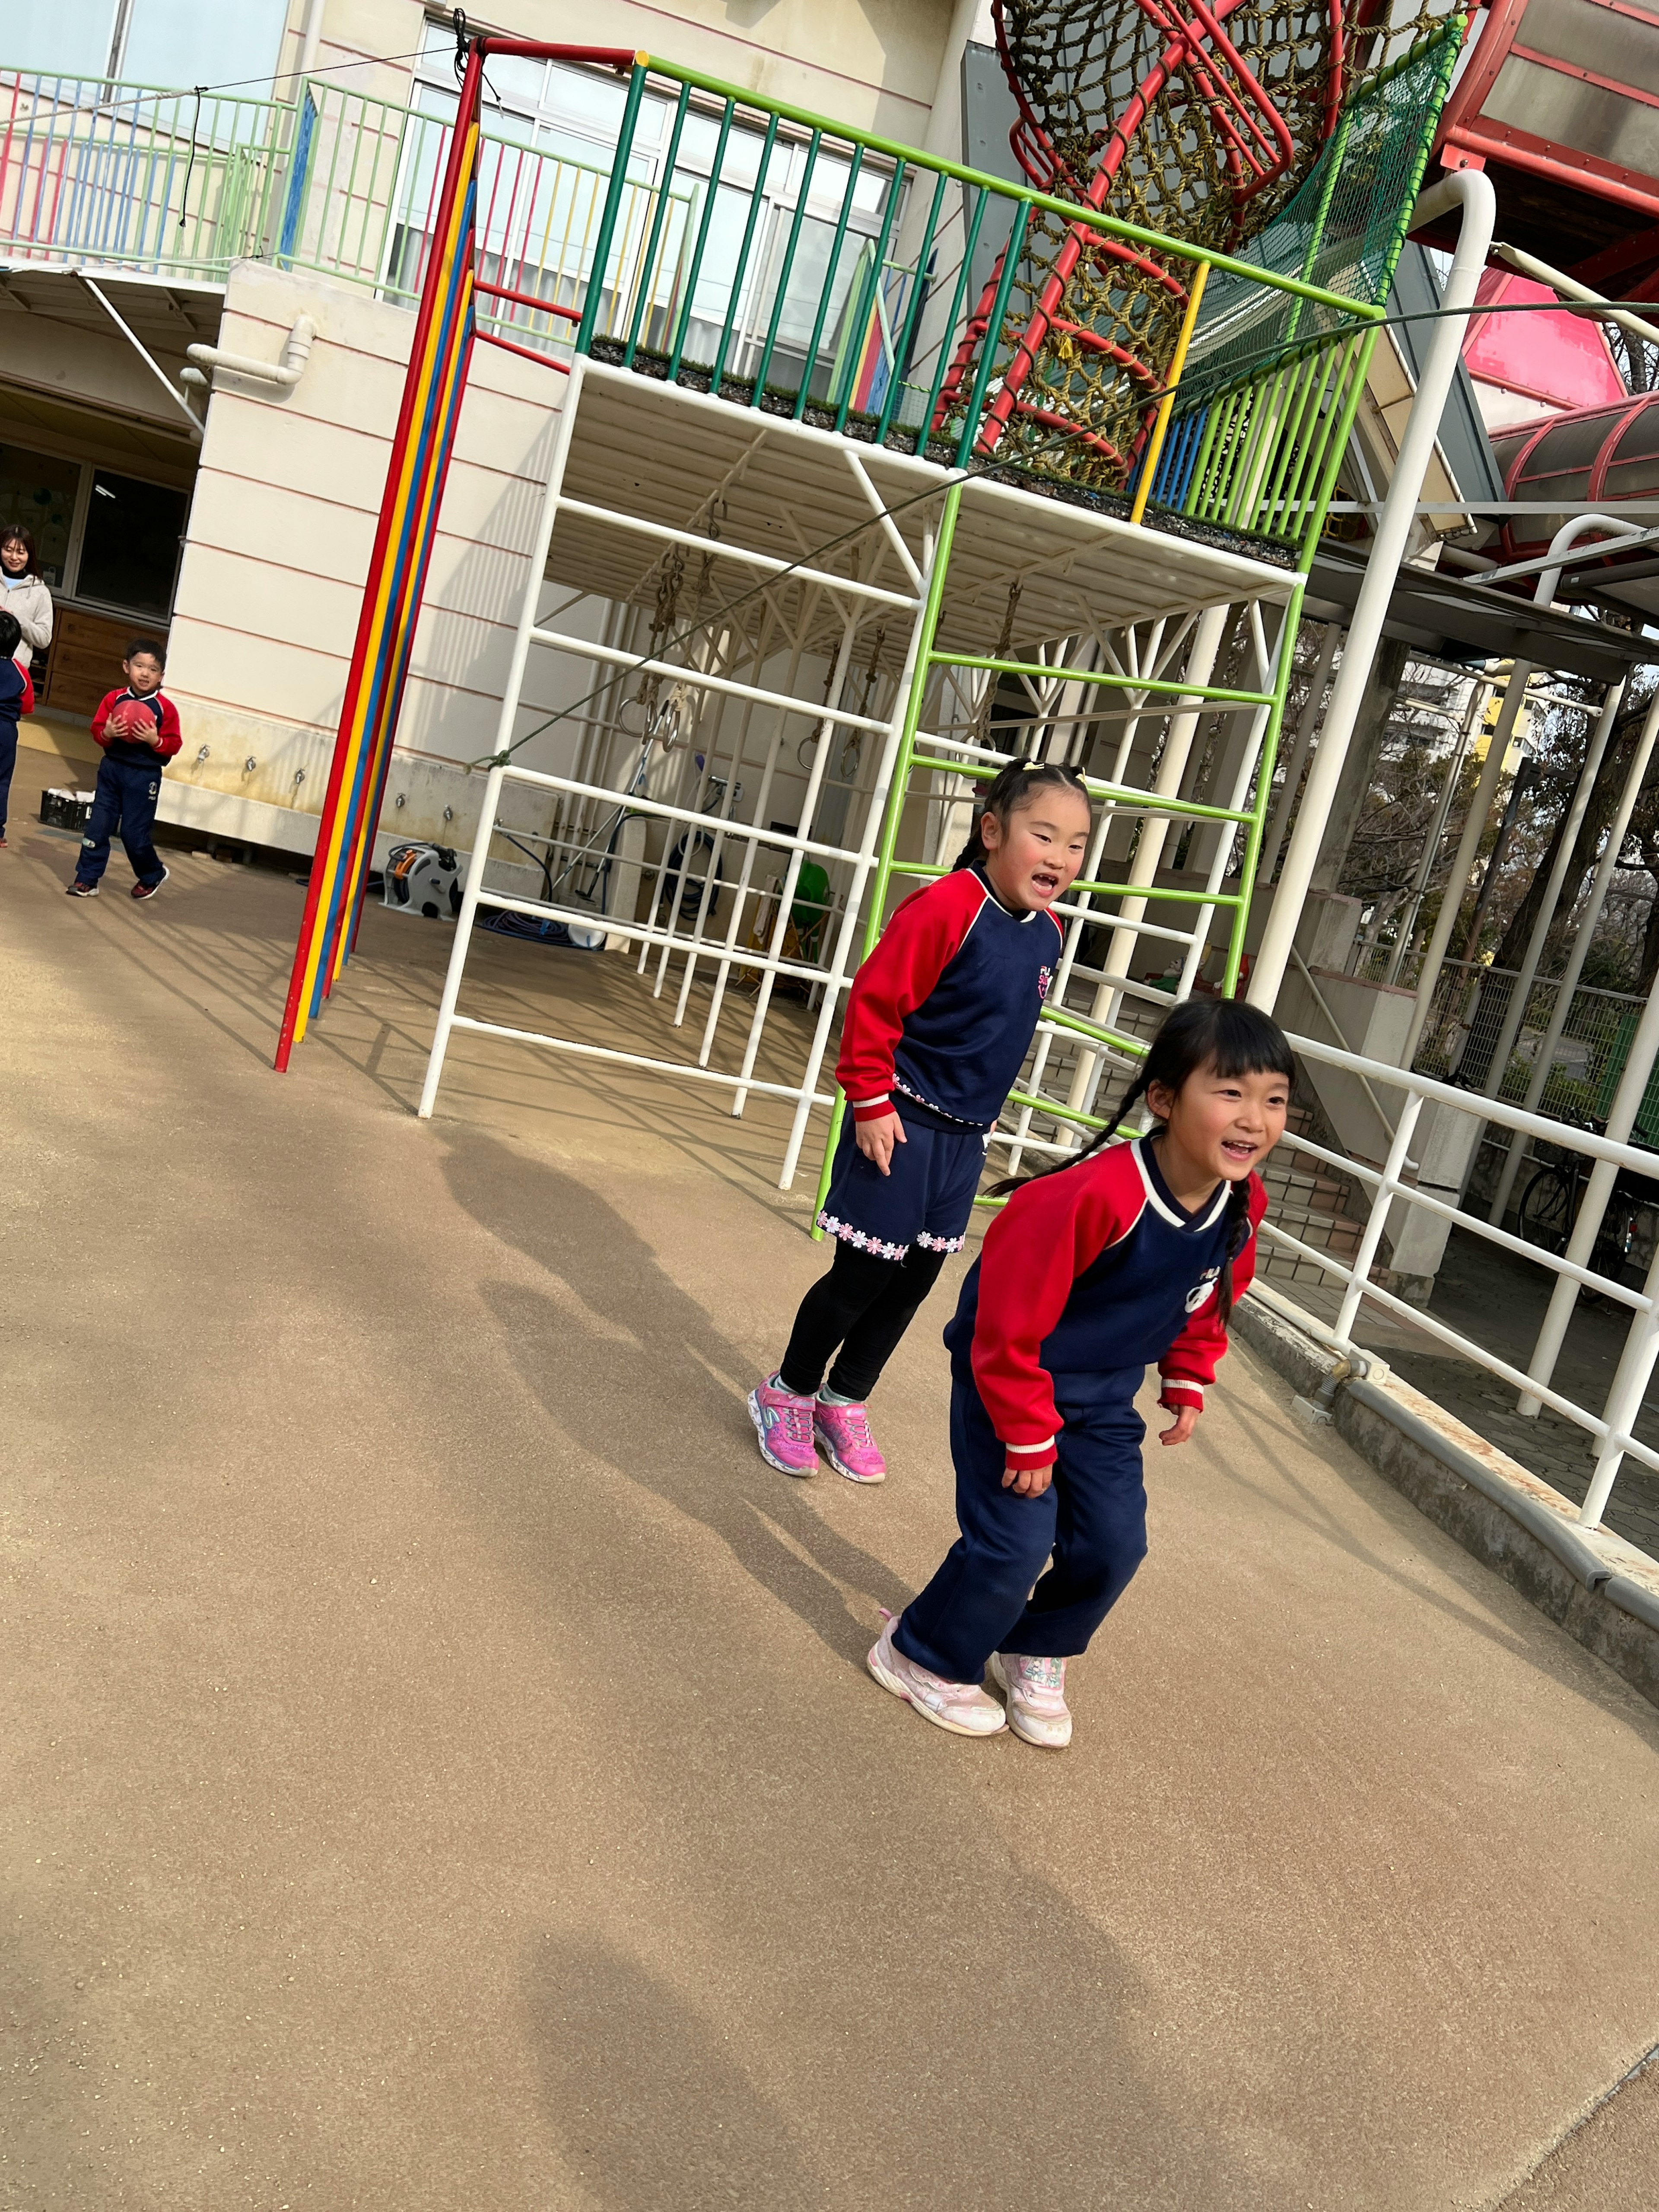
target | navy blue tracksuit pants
[
  {"x": 8, "y": 762},
  {"x": 124, "y": 800},
  {"x": 1091, "y": 1518}
]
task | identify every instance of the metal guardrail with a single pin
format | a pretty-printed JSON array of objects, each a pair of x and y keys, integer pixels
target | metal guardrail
[
  {"x": 1393, "y": 1188},
  {"x": 763, "y": 251}
]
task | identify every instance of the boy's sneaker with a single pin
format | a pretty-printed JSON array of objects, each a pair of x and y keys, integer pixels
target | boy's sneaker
[
  {"x": 962, "y": 1707},
  {"x": 1036, "y": 1698},
  {"x": 844, "y": 1433},
  {"x": 149, "y": 891},
  {"x": 78, "y": 890},
  {"x": 783, "y": 1424}
]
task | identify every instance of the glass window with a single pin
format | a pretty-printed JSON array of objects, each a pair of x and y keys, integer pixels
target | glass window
[
  {"x": 130, "y": 554},
  {"x": 37, "y": 490},
  {"x": 70, "y": 39},
  {"x": 186, "y": 42}
]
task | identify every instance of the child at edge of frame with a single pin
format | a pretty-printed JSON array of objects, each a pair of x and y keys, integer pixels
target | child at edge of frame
[
  {"x": 138, "y": 729},
  {"x": 1128, "y": 1254},
  {"x": 938, "y": 1022},
  {"x": 16, "y": 700}
]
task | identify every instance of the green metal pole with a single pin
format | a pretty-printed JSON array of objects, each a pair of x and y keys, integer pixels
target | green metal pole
[
  {"x": 612, "y": 205},
  {"x": 697, "y": 251},
  {"x": 811, "y": 361},
  {"x": 897, "y": 794},
  {"x": 956, "y": 298},
  {"x": 903, "y": 340},
  {"x": 665, "y": 196},
  {"x": 1264, "y": 778},
  {"x": 755, "y": 200},
  {"x": 782, "y": 292},
  {"x": 993, "y": 338},
  {"x": 869, "y": 293}
]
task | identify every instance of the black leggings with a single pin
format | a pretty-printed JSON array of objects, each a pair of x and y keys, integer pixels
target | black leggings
[{"x": 864, "y": 1305}]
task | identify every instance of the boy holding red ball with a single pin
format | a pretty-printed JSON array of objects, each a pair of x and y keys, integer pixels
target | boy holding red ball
[{"x": 138, "y": 730}]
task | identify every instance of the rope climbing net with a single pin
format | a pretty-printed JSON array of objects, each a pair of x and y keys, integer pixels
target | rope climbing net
[{"x": 1209, "y": 121}]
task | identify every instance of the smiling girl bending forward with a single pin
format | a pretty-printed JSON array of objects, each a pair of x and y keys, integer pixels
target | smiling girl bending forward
[
  {"x": 1130, "y": 1254},
  {"x": 938, "y": 1022}
]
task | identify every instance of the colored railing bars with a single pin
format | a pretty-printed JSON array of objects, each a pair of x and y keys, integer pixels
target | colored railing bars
[{"x": 415, "y": 470}]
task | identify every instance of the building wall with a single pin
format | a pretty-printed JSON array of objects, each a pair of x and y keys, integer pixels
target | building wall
[
  {"x": 286, "y": 501},
  {"x": 872, "y": 63}
]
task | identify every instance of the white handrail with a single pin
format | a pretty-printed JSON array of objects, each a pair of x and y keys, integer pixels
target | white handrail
[{"x": 1611, "y": 1430}]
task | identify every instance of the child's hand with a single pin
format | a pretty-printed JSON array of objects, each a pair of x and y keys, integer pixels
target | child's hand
[
  {"x": 1181, "y": 1427},
  {"x": 876, "y": 1137},
  {"x": 1026, "y": 1481}
]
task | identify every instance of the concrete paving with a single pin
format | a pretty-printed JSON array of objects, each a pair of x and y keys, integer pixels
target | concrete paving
[{"x": 441, "y": 1768}]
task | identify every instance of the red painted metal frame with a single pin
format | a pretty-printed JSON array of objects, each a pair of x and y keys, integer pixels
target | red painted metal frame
[
  {"x": 455, "y": 183},
  {"x": 1464, "y": 128},
  {"x": 1201, "y": 43},
  {"x": 1618, "y": 414}
]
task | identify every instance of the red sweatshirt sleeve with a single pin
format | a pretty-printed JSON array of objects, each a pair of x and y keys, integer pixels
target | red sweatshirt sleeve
[
  {"x": 26, "y": 704},
  {"x": 102, "y": 715},
  {"x": 1034, "y": 1251},
  {"x": 1192, "y": 1360},
  {"x": 170, "y": 737},
  {"x": 924, "y": 936}
]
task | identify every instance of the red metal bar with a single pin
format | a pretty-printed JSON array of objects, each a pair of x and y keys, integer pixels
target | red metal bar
[
  {"x": 545, "y": 360},
  {"x": 454, "y": 182},
  {"x": 527, "y": 300}
]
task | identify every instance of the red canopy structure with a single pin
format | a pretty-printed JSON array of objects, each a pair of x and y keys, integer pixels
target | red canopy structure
[{"x": 1558, "y": 101}]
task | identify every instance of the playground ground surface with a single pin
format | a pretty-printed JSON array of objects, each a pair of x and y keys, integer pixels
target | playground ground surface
[{"x": 441, "y": 1769}]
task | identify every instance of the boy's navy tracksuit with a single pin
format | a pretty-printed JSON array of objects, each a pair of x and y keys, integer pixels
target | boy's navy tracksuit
[
  {"x": 937, "y": 1026},
  {"x": 1086, "y": 1278},
  {"x": 16, "y": 700},
  {"x": 128, "y": 787}
]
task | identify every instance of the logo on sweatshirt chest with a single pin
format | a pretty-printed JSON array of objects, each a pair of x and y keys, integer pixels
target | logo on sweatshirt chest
[
  {"x": 1202, "y": 1288},
  {"x": 1045, "y": 976}
]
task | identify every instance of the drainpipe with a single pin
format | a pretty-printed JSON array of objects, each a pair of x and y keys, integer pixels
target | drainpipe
[
  {"x": 308, "y": 39},
  {"x": 1471, "y": 191},
  {"x": 285, "y": 375}
]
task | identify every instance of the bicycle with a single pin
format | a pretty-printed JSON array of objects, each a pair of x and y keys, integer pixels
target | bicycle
[{"x": 1549, "y": 1208}]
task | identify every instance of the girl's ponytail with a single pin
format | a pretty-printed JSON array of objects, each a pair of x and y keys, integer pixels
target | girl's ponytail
[
  {"x": 1238, "y": 1235},
  {"x": 1132, "y": 1098}
]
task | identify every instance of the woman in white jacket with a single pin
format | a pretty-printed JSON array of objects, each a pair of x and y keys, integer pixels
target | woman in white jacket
[{"x": 22, "y": 594}]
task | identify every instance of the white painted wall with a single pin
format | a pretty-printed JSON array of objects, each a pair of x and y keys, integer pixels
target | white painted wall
[
  {"x": 872, "y": 63},
  {"x": 280, "y": 537}
]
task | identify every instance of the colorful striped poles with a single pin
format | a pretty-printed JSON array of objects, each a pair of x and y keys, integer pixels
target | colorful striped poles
[{"x": 421, "y": 447}]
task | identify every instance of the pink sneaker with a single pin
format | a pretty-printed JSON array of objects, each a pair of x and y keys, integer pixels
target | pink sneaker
[
  {"x": 783, "y": 1423},
  {"x": 962, "y": 1707},
  {"x": 1036, "y": 1698},
  {"x": 844, "y": 1433}
]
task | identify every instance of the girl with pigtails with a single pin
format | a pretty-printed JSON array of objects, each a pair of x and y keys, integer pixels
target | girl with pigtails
[
  {"x": 938, "y": 1022},
  {"x": 1125, "y": 1255}
]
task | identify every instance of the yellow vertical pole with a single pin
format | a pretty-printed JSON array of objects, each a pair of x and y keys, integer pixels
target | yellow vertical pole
[{"x": 1161, "y": 423}]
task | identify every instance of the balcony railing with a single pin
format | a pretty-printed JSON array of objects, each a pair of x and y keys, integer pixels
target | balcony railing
[{"x": 795, "y": 267}]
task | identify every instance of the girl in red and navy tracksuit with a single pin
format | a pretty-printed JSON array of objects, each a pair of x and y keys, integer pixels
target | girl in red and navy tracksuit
[
  {"x": 1130, "y": 1254},
  {"x": 938, "y": 1022}
]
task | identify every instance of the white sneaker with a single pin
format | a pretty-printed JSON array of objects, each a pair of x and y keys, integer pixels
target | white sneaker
[
  {"x": 1036, "y": 1698},
  {"x": 962, "y": 1707}
]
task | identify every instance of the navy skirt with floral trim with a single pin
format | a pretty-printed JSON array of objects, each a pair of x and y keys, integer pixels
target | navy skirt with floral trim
[{"x": 926, "y": 1198}]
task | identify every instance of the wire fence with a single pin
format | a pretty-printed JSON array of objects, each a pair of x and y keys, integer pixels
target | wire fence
[{"x": 1467, "y": 1016}]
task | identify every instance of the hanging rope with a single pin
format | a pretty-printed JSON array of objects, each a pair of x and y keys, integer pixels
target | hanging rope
[
  {"x": 982, "y": 715},
  {"x": 190, "y": 166}
]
